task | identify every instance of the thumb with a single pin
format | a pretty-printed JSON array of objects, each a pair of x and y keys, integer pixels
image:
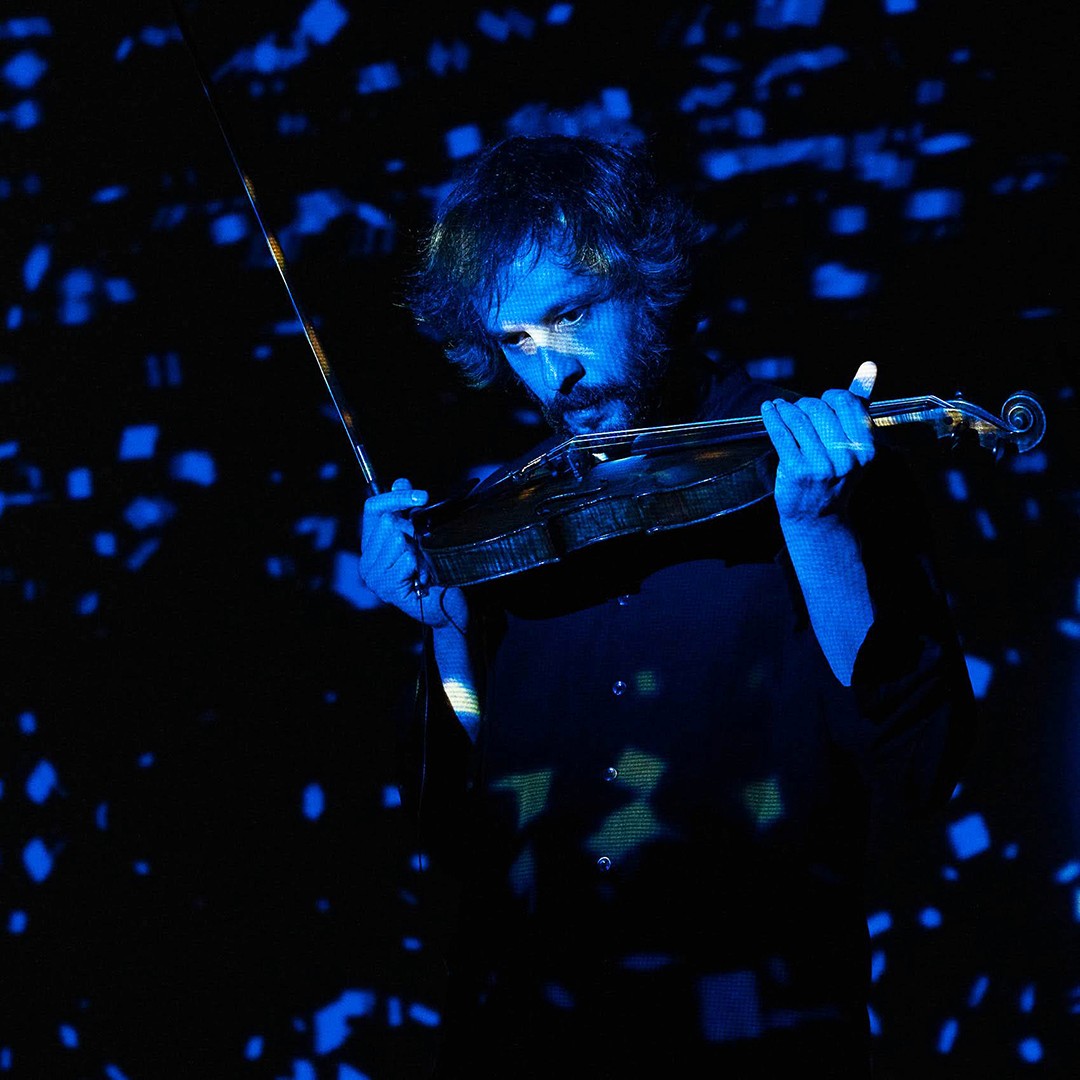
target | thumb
[{"x": 863, "y": 383}]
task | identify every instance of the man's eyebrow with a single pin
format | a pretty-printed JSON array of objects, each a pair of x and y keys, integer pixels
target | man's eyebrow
[{"x": 589, "y": 293}]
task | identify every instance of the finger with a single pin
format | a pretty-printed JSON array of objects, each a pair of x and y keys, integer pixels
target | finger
[
  {"x": 381, "y": 508},
  {"x": 855, "y": 418},
  {"x": 831, "y": 439},
  {"x": 813, "y": 459},
  {"x": 863, "y": 383},
  {"x": 784, "y": 442}
]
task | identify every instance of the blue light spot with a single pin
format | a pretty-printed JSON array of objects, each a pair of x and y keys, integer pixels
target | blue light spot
[
  {"x": 141, "y": 867},
  {"x": 24, "y": 69},
  {"x": 80, "y": 484},
  {"x": 947, "y": 1036},
  {"x": 194, "y": 466},
  {"x": 463, "y": 141},
  {"x": 749, "y": 123},
  {"x": 985, "y": 524},
  {"x": 331, "y": 1022},
  {"x": 109, "y": 194},
  {"x": 834, "y": 281},
  {"x": 155, "y": 36},
  {"x": 411, "y": 944},
  {"x": 771, "y": 367},
  {"x": 228, "y": 228},
  {"x": 425, "y": 1015},
  {"x": 41, "y": 782},
  {"x": 119, "y": 290},
  {"x": 274, "y": 566},
  {"x": 929, "y": 92},
  {"x": 1031, "y": 1050},
  {"x": 945, "y": 143},
  {"x": 347, "y": 1072},
  {"x": 33, "y": 26},
  {"x": 377, "y": 78},
  {"x": 721, "y": 164},
  {"x": 969, "y": 836},
  {"x": 14, "y": 321},
  {"x": 978, "y": 990},
  {"x": 322, "y": 20},
  {"x": 957, "y": 485},
  {"x": 37, "y": 262},
  {"x": 321, "y": 528},
  {"x": 27, "y": 723},
  {"x": 878, "y": 923},
  {"x": 1069, "y": 872},
  {"x": 848, "y": 220},
  {"x": 877, "y": 965},
  {"x": 137, "y": 559},
  {"x": 314, "y": 802},
  {"x": 900, "y": 7},
  {"x": 101, "y": 816},
  {"x": 144, "y": 761},
  {"x": 874, "y": 1020},
  {"x": 144, "y": 512},
  {"x": 347, "y": 584},
  {"x": 1010, "y": 851},
  {"x": 489, "y": 24},
  {"x": 18, "y": 922},
  {"x": 1070, "y": 628},
  {"x": 1033, "y": 462},
  {"x": 615, "y": 103},
  {"x": 558, "y": 14},
  {"x": 113, "y": 1073},
  {"x": 328, "y": 471},
  {"x": 391, "y": 796},
  {"x": 123, "y": 50},
  {"x": 253, "y": 1050},
  {"x": 930, "y": 918},
  {"x": 1027, "y": 998},
  {"x": 980, "y": 672},
  {"x": 138, "y": 442},
  {"x": 303, "y": 1070},
  {"x": 933, "y": 204},
  {"x": 69, "y": 1037},
  {"x": 316, "y": 209},
  {"x": 37, "y": 860}
]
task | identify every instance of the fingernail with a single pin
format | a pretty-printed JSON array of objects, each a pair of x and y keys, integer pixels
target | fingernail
[{"x": 418, "y": 496}]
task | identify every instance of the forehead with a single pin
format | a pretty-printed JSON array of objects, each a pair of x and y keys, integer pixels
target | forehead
[{"x": 532, "y": 288}]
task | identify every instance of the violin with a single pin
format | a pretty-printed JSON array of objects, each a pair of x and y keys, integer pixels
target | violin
[{"x": 597, "y": 487}]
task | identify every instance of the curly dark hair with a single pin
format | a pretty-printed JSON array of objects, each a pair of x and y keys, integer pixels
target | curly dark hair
[{"x": 600, "y": 203}]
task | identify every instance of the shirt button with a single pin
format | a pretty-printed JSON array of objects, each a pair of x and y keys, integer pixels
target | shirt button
[
  {"x": 618, "y": 688},
  {"x": 603, "y": 864},
  {"x": 610, "y": 773}
]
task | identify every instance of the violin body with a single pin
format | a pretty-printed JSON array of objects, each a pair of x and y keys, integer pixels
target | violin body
[{"x": 593, "y": 488}]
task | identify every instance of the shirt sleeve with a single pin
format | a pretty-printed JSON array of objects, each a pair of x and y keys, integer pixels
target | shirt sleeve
[{"x": 913, "y": 701}]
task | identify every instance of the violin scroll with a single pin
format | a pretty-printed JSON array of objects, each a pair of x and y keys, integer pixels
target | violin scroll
[{"x": 1026, "y": 420}]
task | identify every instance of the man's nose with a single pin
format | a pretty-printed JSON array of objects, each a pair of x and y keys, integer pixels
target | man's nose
[{"x": 560, "y": 370}]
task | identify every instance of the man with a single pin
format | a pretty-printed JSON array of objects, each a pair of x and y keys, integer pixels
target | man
[{"x": 667, "y": 752}]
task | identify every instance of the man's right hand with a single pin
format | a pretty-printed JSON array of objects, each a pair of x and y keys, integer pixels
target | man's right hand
[{"x": 390, "y": 567}]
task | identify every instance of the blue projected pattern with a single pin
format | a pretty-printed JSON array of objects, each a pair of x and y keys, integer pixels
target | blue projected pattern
[{"x": 196, "y": 724}]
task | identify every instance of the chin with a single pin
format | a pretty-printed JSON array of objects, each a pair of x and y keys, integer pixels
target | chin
[{"x": 611, "y": 416}]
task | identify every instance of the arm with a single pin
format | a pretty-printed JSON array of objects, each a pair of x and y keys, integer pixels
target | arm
[
  {"x": 823, "y": 443},
  {"x": 390, "y": 568}
]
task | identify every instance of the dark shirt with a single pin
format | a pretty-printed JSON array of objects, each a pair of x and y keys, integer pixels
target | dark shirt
[{"x": 661, "y": 829}]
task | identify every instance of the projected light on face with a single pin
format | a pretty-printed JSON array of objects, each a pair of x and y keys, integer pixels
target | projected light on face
[{"x": 587, "y": 357}]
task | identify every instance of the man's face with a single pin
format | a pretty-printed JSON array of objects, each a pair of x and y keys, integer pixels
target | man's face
[{"x": 578, "y": 350}]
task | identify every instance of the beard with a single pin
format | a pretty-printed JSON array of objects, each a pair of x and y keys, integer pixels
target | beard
[{"x": 630, "y": 403}]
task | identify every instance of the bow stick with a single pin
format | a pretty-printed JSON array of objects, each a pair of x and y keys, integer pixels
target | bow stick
[{"x": 345, "y": 414}]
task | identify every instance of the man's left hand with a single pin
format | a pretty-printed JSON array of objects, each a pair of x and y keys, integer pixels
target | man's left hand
[{"x": 822, "y": 443}]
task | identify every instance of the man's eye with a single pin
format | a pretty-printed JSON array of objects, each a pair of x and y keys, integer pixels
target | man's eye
[
  {"x": 514, "y": 341},
  {"x": 574, "y": 315}
]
